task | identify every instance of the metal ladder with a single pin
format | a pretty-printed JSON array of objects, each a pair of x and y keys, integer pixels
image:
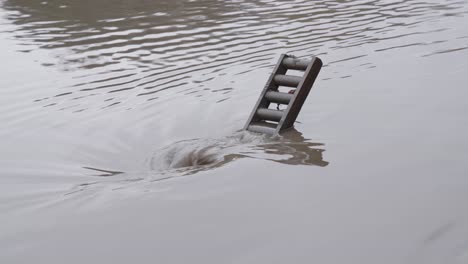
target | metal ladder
[{"x": 274, "y": 121}]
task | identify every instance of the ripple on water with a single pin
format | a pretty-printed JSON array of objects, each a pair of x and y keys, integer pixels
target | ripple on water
[
  {"x": 139, "y": 55},
  {"x": 139, "y": 48}
]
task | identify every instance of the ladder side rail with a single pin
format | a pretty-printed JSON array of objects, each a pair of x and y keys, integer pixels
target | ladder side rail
[{"x": 300, "y": 95}]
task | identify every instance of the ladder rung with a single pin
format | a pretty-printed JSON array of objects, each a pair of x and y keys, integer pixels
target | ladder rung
[
  {"x": 263, "y": 127},
  {"x": 263, "y": 118},
  {"x": 278, "y": 97},
  {"x": 287, "y": 80},
  {"x": 270, "y": 114},
  {"x": 296, "y": 64}
]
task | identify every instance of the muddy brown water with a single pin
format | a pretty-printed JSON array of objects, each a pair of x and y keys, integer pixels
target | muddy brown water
[{"x": 120, "y": 133}]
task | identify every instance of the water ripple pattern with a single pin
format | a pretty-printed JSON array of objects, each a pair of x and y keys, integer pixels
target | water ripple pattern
[{"x": 127, "y": 53}]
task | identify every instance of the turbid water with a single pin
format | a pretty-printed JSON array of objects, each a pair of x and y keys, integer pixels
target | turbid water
[{"x": 120, "y": 135}]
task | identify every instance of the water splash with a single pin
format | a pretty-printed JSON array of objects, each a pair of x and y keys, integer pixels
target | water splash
[{"x": 191, "y": 156}]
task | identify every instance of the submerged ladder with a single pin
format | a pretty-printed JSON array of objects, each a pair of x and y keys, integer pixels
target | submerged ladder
[{"x": 273, "y": 121}]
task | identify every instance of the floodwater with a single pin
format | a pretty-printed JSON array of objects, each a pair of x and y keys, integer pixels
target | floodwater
[{"x": 120, "y": 135}]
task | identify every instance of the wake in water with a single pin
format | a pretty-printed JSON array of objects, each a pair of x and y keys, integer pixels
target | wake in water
[
  {"x": 191, "y": 156},
  {"x": 188, "y": 157}
]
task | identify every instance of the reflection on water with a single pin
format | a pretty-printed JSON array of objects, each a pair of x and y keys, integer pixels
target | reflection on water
[
  {"x": 128, "y": 49},
  {"x": 300, "y": 150},
  {"x": 191, "y": 156}
]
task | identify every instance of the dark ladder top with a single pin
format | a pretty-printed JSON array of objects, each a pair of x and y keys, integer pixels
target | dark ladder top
[{"x": 273, "y": 121}]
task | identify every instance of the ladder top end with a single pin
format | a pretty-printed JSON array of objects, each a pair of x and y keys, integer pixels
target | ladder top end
[{"x": 290, "y": 56}]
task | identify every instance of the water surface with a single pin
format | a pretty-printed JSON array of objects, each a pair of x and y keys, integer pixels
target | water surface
[{"x": 121, "y": 119}]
